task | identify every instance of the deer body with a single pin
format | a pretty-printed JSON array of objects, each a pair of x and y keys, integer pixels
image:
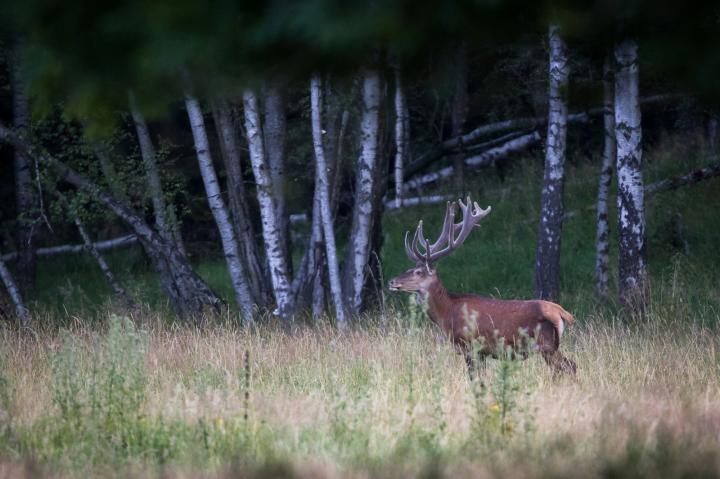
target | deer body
[{"x": 468, "y": 318}]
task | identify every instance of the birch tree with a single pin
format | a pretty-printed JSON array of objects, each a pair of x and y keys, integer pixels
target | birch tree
[
  {"x": 237, "y": 196},
  {"x": 547, "y": 258},
  {"x": 275, "y": 133},
  {"x": 606, "y": 171},
  {"x": 25, "y": 193},
  {"x": 272, "y": 236},
  {"x": 323, "y": 187},
  {"x": 14, "y": 292},
  {"x": 217, "y": 206},
  {"x": 189, "y": 295},
  {"x": 402, "y": 135},
  {"x": 360, "y": 233},
  {"x": 630, "y": 199},
  {"x": 164, "y": 217}
]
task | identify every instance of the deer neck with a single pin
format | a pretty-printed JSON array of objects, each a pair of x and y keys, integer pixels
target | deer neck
[{"x": 438, "y": 302}]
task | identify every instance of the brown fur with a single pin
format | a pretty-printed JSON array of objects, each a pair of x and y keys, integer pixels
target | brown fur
[{"x": 466, "y": 318}]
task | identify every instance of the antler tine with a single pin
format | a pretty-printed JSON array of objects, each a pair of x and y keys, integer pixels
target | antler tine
[
  {"x": 448, "y": 224},
  {"x": 472, "y": 213},
  {"x": 418, "y": 239},
  {"x": 409, "y": 251},
  {"x": 452, "y": 235}
]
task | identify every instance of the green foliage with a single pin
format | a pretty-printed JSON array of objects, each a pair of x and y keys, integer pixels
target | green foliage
[{"x": 98, "y": 395}]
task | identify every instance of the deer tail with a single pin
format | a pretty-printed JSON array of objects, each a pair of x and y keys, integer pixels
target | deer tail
[
  {"x": 557, "y": 315},
  {"x": 566, "y": 316}
]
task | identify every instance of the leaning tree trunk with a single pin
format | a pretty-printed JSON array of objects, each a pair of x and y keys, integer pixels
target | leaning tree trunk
[
  {"x": 547, "y": 258},
  {"x": 459, "y": 111},
  {"x": 14, "y": 292},
  {"x": 608, "y": 160},
  {"x": 360, "y": 234},
  {"x": 237, "y": 195},
  {"x": 274, "y": 133},
  {"x": 25, "y": 193},
  {"x": 272, "y": 234},
  {"x": 231, "y": 249},
  {"x": 104, "y": 266},
  {"x": 164, "y": 217},
  {"x": 631, "y": 202},
  {"x": 188, "y": 293},
  {"x": 324, "y": 199},
  {"x": 402, "y": 135}
]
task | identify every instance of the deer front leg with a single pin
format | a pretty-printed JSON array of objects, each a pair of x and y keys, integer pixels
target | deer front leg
[{"x": 476, "y": 362}]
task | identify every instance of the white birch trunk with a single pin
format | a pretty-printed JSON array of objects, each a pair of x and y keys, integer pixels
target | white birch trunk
[
  {"x": 631, "y": 201},
  {"x": 220, "y": 212},
  {"x": 602, "y": 244},
  {"x": 274, "y": 246},
  {"x": 401, "y": 135},
  {"x": 240, "y": 212},
  {"x": 324, "y": 198},
  {"x": 274, "y": 133},
  {"x": 359, "y": 248},
  {"x": 164, "y": 217},
  {"x": 547, "y": 257},
  {"x": 14, "y": 293}
]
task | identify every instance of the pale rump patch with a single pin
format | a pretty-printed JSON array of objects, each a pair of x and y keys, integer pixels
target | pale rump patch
[{"x": 557, "y": 315}]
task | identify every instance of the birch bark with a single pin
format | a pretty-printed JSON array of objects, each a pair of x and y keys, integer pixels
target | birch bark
[
  {"x": 274, "y": 246},
  {"x": 237, "y": 196},
  {"x": 608, "y": 160},
  {"x": 275, "y": 133},
  {"x": 360, "y": 237},
  {"x": 547, "y": 258},
  {"x": 14, "y": 292},
  {"x": 324, "y": 200},
  {"x": 630, "y": 200},
  {"x": 219, "y": 210}
]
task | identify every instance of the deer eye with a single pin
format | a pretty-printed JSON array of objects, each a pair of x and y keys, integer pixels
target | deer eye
[{"x": 417, "y": 272}]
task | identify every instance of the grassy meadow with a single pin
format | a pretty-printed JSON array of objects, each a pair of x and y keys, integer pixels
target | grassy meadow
[{"x": 91, "y": 390}]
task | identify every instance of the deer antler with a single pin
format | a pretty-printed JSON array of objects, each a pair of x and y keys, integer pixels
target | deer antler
[{"x": 452, "y": 235}]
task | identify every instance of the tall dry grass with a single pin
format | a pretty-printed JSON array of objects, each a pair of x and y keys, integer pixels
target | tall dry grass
[{"x": 384, "y": 400}]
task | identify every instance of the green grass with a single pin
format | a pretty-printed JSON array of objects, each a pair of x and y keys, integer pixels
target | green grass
[{"x": 106, "y": 396}]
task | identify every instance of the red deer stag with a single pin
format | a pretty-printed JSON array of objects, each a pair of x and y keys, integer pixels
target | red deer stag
[{"x": 468, "y": 317}]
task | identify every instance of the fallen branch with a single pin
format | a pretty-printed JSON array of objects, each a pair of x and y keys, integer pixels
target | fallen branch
[
  {"x": 479, "y": 161},
  {"x": 688, "y": 179},
  {"x": 416, "y": 200},
  {"x": 464, "y": 141},
  {"x": 104, "y": 245},
  {"x": 664, "y": 185}
]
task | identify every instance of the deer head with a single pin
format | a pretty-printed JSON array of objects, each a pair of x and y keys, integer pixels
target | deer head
[{"x": 425, "y": 254}]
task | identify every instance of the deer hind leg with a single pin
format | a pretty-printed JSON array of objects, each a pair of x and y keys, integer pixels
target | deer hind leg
[
  {"x": 559, "y": 363},
  {"x": 548, "y": 342}
]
